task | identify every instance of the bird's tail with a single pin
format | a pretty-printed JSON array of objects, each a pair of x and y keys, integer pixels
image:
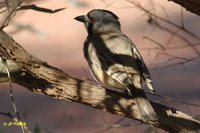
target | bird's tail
[{"x": 145, "y": 108}]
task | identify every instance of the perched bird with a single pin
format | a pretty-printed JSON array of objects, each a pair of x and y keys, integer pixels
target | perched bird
[{"x": 114, "y": 60}]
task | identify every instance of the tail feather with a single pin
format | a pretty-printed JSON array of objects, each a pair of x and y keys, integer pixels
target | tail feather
[{"x": 145, "y": 108}]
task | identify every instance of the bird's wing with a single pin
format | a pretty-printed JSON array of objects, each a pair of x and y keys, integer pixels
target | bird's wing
[
  {"x": 121, "y": 60},
  {"x": 143, "y": 69},
  {"x": 117, "y": 60}
]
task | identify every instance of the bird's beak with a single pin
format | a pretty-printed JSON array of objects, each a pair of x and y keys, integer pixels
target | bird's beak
[{"x": 82, "y": 18}]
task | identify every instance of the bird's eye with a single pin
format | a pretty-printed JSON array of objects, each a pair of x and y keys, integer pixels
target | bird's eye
[{"x": 93, "y": 20}]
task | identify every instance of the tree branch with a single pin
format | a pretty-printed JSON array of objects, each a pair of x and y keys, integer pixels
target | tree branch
[
  {"x": 190, "y": 5},
  {"x": 39, "y": 77}
]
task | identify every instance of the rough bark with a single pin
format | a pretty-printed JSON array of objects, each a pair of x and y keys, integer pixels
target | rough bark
[
  {"x": 190, "y": 5},
  {"x": 39, "y": 77}
]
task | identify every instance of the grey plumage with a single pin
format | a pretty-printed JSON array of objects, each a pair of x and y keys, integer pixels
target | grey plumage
[{"x": 114, "y": 59}]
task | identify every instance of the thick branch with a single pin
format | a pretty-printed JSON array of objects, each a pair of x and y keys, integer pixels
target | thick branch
[
  {"x": 190, "y": 5},
  {"x": 39, "y": 77}
]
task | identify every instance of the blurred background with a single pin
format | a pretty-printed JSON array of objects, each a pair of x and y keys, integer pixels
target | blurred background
[{"x": 167, "y": 36}]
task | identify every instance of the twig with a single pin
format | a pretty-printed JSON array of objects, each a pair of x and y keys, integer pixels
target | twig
[
  {"x": 163, "y": 19},
  {"x": 3, "y": 61},
  {"x": 155, "y": 42},
  {"x": 182, "y": 19}
]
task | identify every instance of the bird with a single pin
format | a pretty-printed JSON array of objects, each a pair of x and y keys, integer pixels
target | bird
[{"x": 114, "y": 60}]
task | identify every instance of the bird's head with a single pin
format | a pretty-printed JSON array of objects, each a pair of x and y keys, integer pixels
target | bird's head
[{"x": 100, "y": 21}]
